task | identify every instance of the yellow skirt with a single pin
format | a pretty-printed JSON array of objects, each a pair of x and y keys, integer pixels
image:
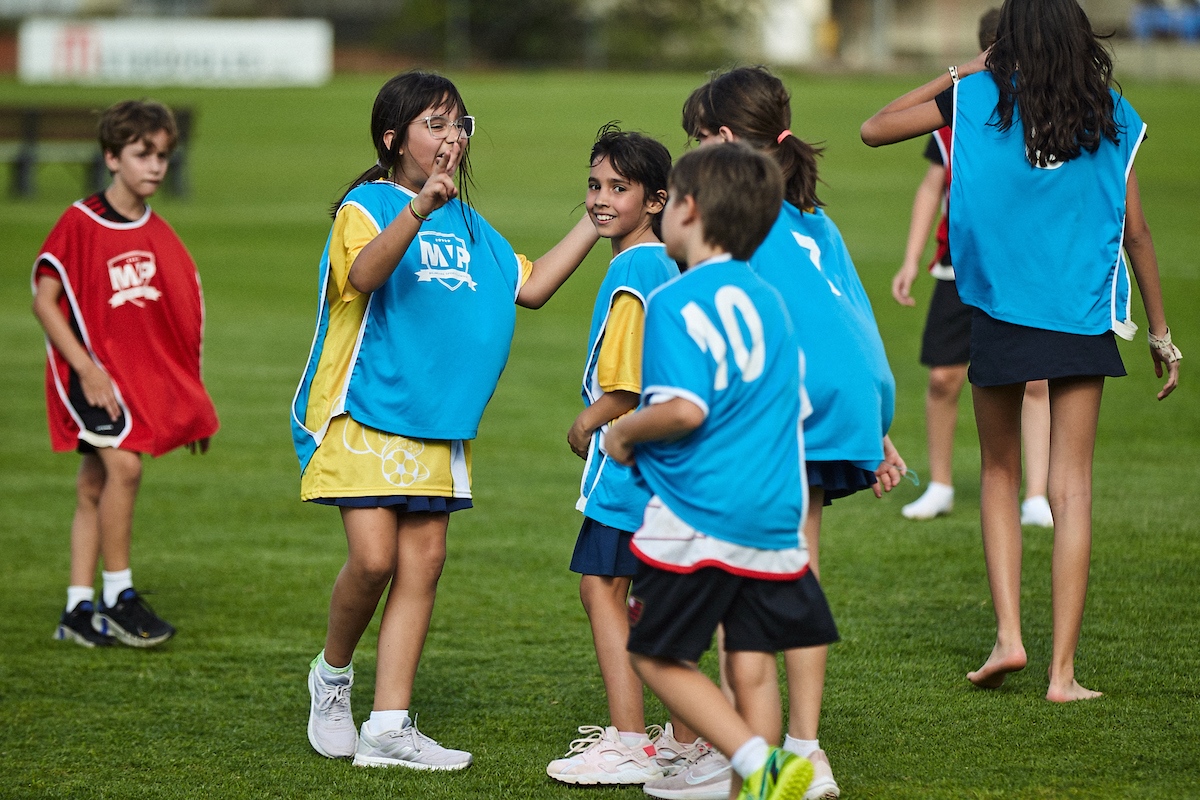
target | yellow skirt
[{"x": 356, "y": 461}]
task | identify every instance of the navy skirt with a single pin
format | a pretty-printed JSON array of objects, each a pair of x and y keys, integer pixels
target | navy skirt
[
  {"x": 1003, "y": 353},
  {"x": 401, "y": 502},
  {"x": 838, "y": 479}
]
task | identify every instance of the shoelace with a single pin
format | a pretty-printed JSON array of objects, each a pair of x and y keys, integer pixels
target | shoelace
[
  {"x": 336, "y": 702},
  {"x": 416, "y": 740},
  {"x": 593, "y": 734}
]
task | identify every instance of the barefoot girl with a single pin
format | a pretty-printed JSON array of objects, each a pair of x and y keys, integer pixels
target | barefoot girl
[{"x": 1044, "y": 197}]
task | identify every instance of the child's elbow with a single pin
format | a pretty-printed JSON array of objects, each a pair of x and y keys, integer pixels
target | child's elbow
[
  {"x": 871, "y": 134},
  {"x": 530, "y": 298}
]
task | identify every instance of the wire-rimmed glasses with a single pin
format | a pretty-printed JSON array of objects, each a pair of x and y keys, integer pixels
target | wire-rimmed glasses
[{"x": 439, "y": 126}]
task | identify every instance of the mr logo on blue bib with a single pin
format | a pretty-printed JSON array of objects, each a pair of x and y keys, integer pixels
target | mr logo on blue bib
[{"x": 445, "y": 259}]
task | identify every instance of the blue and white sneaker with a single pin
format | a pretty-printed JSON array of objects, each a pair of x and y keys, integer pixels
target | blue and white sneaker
[
  {"x": 76, "y": 626},
  {"x": 132, "y": 621}
]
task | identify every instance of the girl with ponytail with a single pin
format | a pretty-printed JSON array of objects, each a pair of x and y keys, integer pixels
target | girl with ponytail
[{"x": 414, "y": 326}]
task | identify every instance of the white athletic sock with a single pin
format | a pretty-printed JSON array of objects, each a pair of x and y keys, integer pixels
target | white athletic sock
[
  {"x": 329, "y": 674},
  {"x": 632, "y": 739},
  {"x": 940, "y": 490},
  {"x": 78, "y": 594},
  {"x": 801, "y": 747},
  {"x": 381, "y": 721},
  {"x": 115, "y": 583},
  {"x": 750, "y": 757}
]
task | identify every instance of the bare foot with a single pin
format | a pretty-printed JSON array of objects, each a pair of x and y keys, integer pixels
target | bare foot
[
  {"x": 1070, "y": 692},
  {"x": 1001, "y": 662}
]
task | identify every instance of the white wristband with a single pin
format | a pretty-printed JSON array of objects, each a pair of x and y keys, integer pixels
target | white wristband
[{"x": 953, "y": 70}]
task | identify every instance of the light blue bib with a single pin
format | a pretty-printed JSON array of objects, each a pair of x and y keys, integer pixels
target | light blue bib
[{"x": 1039, "y": 246}]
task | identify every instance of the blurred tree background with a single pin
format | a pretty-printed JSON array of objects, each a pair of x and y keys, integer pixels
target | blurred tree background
[{"x": 623, "y": 34}]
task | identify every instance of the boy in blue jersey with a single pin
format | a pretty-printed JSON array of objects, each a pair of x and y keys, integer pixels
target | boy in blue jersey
[{"x": 718, "y": 440}]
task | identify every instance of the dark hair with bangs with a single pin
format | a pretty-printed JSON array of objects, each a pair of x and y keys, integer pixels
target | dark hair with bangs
[
  {"x": 637, "y": 158},
  {"x": 133, "y": 120},
  {"x": 738, "y": 192},
  {"x": 756, "y": 106},
  {"x": 398, "y": 104},
  {"x": 1060, "y": 92}
]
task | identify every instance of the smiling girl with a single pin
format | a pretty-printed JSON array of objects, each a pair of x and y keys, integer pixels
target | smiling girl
[
  {"x": 627, "y": 190},
  {"x": 414, "y": 327}
]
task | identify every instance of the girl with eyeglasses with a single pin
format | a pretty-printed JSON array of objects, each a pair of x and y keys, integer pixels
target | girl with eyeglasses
[{"x": 414, "y": 327}]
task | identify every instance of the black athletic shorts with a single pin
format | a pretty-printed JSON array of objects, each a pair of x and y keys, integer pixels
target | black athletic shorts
[
  {"x": 946, "y": 341},
  {"x": 673, "y": 615}
]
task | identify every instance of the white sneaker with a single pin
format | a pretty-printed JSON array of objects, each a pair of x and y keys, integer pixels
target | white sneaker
[
  {"x": 937, "y": 500},
  {"x": 707, "y": 778},
  {"x": 331, "y": 729},
  {"x": 406, "y": 747},
  {"x": 823, "y": 786},
  {"x": 1036, "y": 511},
  {"x": 673, "y": 755},
  {"x": 600, "y": 757}
]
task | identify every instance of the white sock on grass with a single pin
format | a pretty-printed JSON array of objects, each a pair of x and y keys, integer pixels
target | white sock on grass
[
  {"x": 381, "y": 721},
  {"x": 750, "y": 757},
  {"x": 79, "y": 594},
  {"x": 115, "y": 583},
  {"x": 801, "y": 747}
]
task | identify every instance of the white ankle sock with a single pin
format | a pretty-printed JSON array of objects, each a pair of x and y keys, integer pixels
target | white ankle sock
[
  {"x": 632, "y": 739},
  {"x": 78, "y": 594},
  {"x": 801, "y": 747},
  {"x": 381, "y": 721},
  {"x": 750, "y": 757},
  {"x": 115, "y": 583}
]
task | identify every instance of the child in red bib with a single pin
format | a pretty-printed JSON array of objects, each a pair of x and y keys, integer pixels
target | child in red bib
[{"x": 119, "y": 299}]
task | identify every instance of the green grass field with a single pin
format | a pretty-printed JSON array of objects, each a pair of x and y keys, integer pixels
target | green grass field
[{"x": 244, "y": 569}]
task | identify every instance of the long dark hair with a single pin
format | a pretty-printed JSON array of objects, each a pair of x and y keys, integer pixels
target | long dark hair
[
  {"x": 756, "y": 106},
  {"x": 638, "y": 158},
  {"x": 399, "y": 102},
  {"x": 1061, "y": 89}
]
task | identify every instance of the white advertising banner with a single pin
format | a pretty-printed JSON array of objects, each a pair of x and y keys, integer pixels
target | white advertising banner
[{"x": 176, "y": 52}]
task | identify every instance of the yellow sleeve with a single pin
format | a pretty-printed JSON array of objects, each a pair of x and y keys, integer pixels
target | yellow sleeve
[
  {"x": 352, "y": 229},
  {"x": 620, "y": 364},
  {"x": 526, "y": 269}
]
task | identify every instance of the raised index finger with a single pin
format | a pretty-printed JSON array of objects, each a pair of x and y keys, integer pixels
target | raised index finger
[{"x": 448, "y": 163}]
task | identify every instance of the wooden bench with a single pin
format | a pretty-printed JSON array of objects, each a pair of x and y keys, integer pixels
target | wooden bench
[{"x": 32, "y": 135}]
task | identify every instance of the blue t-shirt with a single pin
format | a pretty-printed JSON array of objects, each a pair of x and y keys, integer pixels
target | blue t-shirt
[
  {"x": 719, "y": 336},
  {"x": 847, "y": 376},
  {"x": 609, "y": 492},
  {"x": 1039, "y": 246}
]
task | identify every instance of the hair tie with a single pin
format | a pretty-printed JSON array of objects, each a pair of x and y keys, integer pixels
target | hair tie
[{"x": 779, "y": 139}]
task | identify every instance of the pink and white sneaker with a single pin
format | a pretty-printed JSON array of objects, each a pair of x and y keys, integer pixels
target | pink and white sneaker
[{"x": 600, "y": 757}]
